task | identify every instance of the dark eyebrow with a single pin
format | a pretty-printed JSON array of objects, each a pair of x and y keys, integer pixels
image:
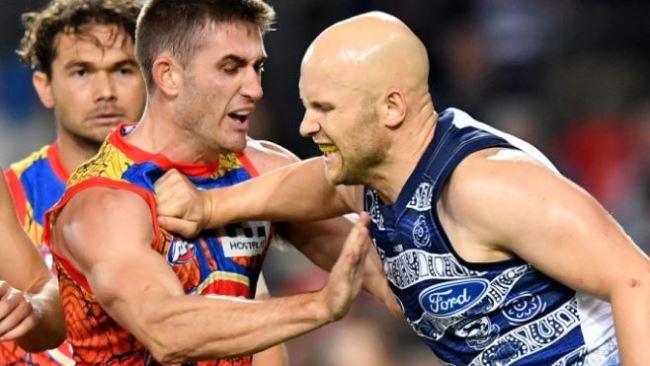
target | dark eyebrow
[
  {"x": 129, "y": 62},
  {"x": 90, "y": 66},
  {"x": 76, "y": 63},
  {"x": 240, "y": 60},
  {"x": 233, "y": 58}
]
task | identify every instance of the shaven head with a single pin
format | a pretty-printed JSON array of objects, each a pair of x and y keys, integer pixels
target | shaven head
[{"x": 371, "y": 52}]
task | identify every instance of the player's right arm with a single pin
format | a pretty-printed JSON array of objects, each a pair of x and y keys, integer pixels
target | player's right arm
[
  {"x": 107, "y": 234},
  {"x": 295, "y": 192},
  {"x": 30, "y": 311}
]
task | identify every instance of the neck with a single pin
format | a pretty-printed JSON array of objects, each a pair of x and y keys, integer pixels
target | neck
[
  {"x": 73, "y": 151},
  {"x": 405, "y": 151},
  {"x": 158, "y": 133}
]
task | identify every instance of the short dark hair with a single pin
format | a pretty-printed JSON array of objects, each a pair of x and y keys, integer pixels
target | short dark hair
[
  {"x": 38, "y": 45},
  {"x": 172, "y": 25}
]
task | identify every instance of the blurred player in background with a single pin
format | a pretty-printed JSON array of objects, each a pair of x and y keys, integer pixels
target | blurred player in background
[{"x": 85, "y": 71}]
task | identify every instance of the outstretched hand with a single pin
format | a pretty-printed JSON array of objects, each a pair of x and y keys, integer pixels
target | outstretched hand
[
  {"x": 346, "y": 276},
  {"x": 182, "y": 208}
]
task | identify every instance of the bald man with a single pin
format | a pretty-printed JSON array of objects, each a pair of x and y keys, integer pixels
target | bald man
[{"x": 496, "y": 258}]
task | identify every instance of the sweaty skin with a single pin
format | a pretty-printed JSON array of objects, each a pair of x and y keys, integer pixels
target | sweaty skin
[{"x": 364, "y": 87}]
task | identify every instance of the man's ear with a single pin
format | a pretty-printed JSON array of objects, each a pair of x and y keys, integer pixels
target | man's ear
[
  {"x": 166, "y": 74},
  {"x": 43, "y": 86},
  {"x": 394, "y": 106}
]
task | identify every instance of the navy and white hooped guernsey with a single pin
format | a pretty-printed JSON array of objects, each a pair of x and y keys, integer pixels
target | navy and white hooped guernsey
[{"x": 496, "y": 314}]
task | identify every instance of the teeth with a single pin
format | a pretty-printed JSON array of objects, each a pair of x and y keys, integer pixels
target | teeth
[
  {"x": 328, "y": 148},
  {"x": 242, "y": 113}
]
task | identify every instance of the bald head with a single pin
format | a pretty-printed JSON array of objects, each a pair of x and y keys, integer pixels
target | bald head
[{"x": 371, "y": 52}]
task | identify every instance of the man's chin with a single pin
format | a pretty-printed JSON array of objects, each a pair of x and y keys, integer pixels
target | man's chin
[
  {"x": 234, "y": 146},
  {"x": 334, "y": 177}
]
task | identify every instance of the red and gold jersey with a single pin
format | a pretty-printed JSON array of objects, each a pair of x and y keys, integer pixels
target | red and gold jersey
[
  {"x": 36, "y": 184},
  {"x": 224, "y": 262}
]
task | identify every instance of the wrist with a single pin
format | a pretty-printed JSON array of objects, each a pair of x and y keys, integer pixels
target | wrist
[
  {"x": 320, "y": 308},
  {"x": 208, "y": 209}
]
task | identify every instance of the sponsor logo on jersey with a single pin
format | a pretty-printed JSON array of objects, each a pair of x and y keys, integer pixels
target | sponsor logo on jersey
[
  {"x": 180, "y": 251},
  {"x": 421, "y": 200},
  {"x": 245, "y": 239},
  {"x": 451, "y": 298}
]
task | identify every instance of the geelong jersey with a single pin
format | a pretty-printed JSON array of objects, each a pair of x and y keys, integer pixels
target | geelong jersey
[
  {"x": 36, "y": 184},
  {"x": 224, "y": 262},
  {"x": 502, "y": 313}
]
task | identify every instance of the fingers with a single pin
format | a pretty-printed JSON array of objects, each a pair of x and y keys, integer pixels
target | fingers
[
  {"x": 4, "y": 287},
  {"x": 186, "y": 229},
  {"x": 27, "y": 324},
  {"x": 15, "y": 309},
  {"x": 8, "y": 301},
  {"x": 358, "y": 240},
  {"x": 171, "y": 177},
  {"x": 167, "y": 188}
]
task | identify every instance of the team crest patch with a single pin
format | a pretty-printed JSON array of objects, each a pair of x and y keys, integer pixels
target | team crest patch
[{"x": 180, "y": 251}]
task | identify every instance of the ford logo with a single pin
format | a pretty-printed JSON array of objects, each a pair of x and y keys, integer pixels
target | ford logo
[{"x": 454, "y": 297}]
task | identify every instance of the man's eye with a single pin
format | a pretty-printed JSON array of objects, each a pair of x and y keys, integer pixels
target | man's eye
[
  {"x": 259, "y": 68},
  {"x": 230, "y": 69}
]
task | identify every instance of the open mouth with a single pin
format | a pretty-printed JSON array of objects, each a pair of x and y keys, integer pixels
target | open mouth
[
  {"x": 327, "y": 148},
  {"x": 239, "y": 116}
]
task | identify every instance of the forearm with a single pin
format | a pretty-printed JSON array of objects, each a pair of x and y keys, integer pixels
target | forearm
[
  {"x": 631, "y": 307},
  {"x": 276, "y": 355},
  {"x": 195, "y": 328},
  {"x": 50, "y": 329},
  {"x": 296, "y": 192}
]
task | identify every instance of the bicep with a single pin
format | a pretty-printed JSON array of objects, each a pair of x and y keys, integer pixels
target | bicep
[
  {"x": 107, "y": 236},
  {"x": 558, "y": 228}
]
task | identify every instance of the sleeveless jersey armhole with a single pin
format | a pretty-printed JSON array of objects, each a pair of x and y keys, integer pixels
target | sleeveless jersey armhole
[{"x": 95, "y": 182}]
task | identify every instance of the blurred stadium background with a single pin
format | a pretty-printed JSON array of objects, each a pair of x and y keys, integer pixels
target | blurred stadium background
[{"x": 570, "y": 76}]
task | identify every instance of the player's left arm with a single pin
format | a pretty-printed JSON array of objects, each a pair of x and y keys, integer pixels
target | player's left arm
[
  {"x": 30, "y": 311},
  {"x": 520, "y": 206}
]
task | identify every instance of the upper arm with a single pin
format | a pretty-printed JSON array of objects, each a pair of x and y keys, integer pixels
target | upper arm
[
  {"x": 22, "y": 266},
  {"x": 542, "y": 217},
  {"x": 107, "y": 235}
]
